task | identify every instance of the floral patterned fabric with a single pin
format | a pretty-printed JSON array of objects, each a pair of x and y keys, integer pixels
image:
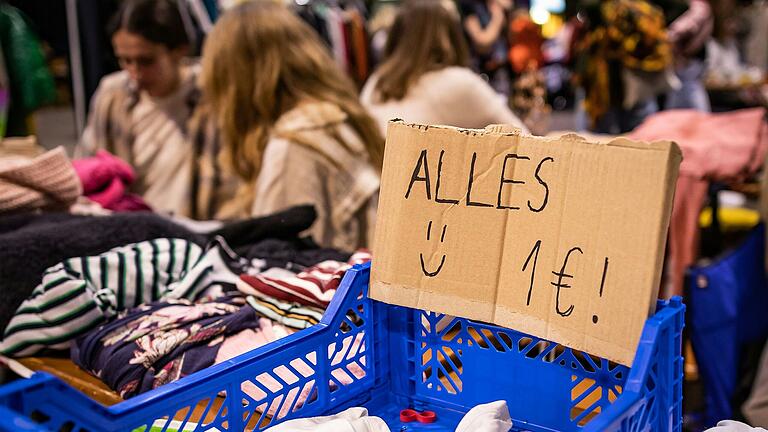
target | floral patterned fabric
[{"x": 159, "y": 343}]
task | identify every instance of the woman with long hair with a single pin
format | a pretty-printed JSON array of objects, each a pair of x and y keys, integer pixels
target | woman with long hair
[
  {"x": 143, "y": 113},
  {"x": 425, "y": 76},
  {"x": 292, "y": 127}
]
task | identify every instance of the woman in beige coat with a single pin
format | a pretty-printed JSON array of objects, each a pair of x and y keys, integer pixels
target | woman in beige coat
[{"x": 293, "y": 130}]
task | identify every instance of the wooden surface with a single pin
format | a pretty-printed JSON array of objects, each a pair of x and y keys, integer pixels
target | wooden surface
[{"x": 74, "y": 376}]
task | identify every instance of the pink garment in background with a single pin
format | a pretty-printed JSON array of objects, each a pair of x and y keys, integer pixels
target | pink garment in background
[
  {"x": 106, "y": 179},
  {"x": 725, "y": 147}
]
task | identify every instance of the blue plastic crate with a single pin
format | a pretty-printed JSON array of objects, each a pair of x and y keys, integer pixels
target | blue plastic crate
[{"x": 366, "y": 353}]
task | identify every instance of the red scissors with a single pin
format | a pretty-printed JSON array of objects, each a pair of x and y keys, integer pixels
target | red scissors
[{"x": 409, "y": 415}]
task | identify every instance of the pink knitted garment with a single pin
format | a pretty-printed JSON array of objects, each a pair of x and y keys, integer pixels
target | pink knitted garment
[{"x": 45, "y": 182}]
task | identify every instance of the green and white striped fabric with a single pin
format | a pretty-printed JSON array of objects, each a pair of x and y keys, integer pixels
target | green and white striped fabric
[{"x": 79, "y": 294}]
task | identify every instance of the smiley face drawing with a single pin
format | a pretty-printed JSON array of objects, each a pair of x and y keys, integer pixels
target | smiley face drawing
[{"x": 442, "y": 260}]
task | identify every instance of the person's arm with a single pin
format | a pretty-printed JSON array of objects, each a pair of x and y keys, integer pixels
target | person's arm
[
  {"x": 690, "y": 31},
  {"x": 483, "y": 38}
]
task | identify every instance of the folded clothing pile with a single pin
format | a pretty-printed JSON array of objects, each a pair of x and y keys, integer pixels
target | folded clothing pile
[{"x": 168, "y": 307}]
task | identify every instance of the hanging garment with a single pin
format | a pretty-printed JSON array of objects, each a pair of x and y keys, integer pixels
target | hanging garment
[
  {"x": 312, "y": 16},
  {"x": 716, "y": 147},
  {"x": 106, "y": 180},
  {"x": 31, "y": 83},
  {"x": 202, "y": 14},
  {"x": 632, "y": 36},
  {"x": 159, "y": 343},
  {"x": 46, "y": 182},
  {"x": 81, "y": 293},
  {"x": 525, "y": 48},
  {"x": 357, "y": 45},
  {"x": 335, "y": 24},
  {"x": 315, "y": 286}
]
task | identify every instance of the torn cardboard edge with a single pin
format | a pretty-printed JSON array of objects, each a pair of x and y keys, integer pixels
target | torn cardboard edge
[
  {"x": 424, "y": 295},
  {"x": 509, "y": 130}
]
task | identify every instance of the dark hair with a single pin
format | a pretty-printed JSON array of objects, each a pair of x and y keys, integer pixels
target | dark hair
[
  {"x": 426, "y": 36},
  {"x": 157, "y": 21}
]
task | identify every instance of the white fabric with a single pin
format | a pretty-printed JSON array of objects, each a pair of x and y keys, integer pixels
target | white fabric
[
  {"x": 723, "y": 60},
  {"x": 490, "y": 417},
  {"x": 452, "y": 96},
  {"x": 734, "y": 426},
  {"x": 351, "y": 420},
  {"x": 200, "y": 227}
]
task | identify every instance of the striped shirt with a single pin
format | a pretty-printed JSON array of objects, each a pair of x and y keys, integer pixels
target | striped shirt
[
  {"x": 289, "y": 314},
  {"x": 80, "y": 294},
  {"x": 314, "y": 286}
]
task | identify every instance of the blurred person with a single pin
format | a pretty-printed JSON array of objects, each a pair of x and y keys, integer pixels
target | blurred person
[
  {"x": 688, "y": 33},
  {"x": 624, "y": 61},
  {"x": 485, "y": 25},
  {"x": 424, "y": 77},
  {"x": 141, "y": 113},
  {"x": 293, "y": 131},
  {"x": 726, "y": 66},
  {"x": 525, "y": 43},
  {"x": 756, "y": 43},
  {"x": 378, "y": 27},
  {"x": 526, "y": 57}
]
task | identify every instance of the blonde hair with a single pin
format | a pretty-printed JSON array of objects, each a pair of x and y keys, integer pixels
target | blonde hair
[
  {"x": 426, "y": 36},
  {"x": 260, "y": 61}
]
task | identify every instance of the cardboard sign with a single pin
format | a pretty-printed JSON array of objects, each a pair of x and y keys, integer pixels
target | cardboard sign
[{"x": 559, "y": 238}]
